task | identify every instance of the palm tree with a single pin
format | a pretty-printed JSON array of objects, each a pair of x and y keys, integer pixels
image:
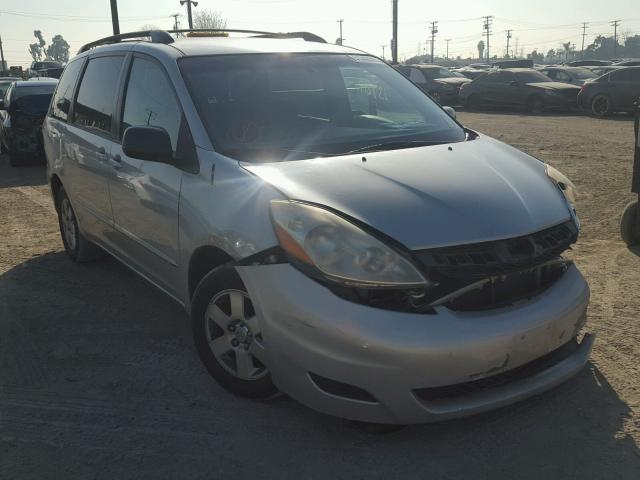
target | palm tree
[{"x": 481, "y": 49}]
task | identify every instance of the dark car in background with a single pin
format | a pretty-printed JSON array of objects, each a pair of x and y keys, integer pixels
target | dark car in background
[
  {"x": 601, "y": 70},
  {"x": 440, "y": 83},
  {"x": 22, "y": 110},
  {"x": 521, "y": 88},
  {"x": 589, "y": 63},
  {"x": 5, "y": 82},
  {"x": 572, "y": 75},
  {"x": 615, "y": 91},
  {"x": 632, "y": 62}
]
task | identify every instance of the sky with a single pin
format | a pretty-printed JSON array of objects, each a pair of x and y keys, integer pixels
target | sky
[{"x": 541, "y": 24}]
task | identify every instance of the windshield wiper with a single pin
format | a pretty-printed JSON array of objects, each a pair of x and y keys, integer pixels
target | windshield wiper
[{"x": 378, "y": 147}]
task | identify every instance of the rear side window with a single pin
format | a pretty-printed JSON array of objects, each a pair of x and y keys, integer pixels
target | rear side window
[
  {"x": 150, "y": 100},
  {"x": 626, "y": 75},
  {"x": 96, "y": 99},
  {"x": 64, "y": 93},
  {"x": 416, "y": 76}
]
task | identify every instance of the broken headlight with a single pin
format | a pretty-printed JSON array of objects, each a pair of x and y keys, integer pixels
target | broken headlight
[
  {"x": 566, "y": 186},
  {"x": 339, "y": 250}
]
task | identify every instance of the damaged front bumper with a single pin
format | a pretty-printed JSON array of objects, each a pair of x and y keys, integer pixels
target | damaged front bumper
[{"x": 354, "y": 361}]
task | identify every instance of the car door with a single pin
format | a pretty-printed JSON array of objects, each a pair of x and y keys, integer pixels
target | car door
[
  {"x": 145, "y": 194},
  {"x": 87, "y": 142},
  {"x": 500, "y": 91},
  {"x": 625, "y": 87},
  {"x": 55, "y": 127}
]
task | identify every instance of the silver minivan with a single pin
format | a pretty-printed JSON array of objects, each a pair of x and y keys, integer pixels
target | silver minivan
[{"x": 333, "y": 233}]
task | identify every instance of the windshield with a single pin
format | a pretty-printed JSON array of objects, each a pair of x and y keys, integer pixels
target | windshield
[
  {"x": 583, "y": 73},
  {"x": 270, "y": 107},
  {"x": 532, "y": 77}
]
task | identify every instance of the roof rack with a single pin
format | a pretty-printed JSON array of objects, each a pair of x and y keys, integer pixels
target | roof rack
[
  {"x": 157, "y": 36},
  {"x": 162, "y": 36}
]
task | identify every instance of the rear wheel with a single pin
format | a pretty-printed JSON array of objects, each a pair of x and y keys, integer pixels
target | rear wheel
[
  {"x": 228, "y": 336},
  {"x": 601, "y": 105},
  {"x": 76, "y": 245},
  {"x": 630, "y": 224}
]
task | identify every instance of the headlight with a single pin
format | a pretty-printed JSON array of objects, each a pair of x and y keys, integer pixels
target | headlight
[
  {"x": 552, "y": 93},
  {"x": 566, "y": 186},
  {"x": 340, "y": 250}
]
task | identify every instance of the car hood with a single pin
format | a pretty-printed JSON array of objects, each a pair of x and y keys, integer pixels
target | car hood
[
  {"x": 554, "y": 86},
  {"x": 457, "y": 81},
  {"x": 468, "y": 192}
]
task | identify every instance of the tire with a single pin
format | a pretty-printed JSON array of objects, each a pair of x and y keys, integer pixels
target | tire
[
  {"x": 630, "y": 224},
  {"x": 601, "y": 105},
  {"x": 227, "y": 335},
  {"x": 78, "y": 248},
  {"x": 535, "y": 104}
]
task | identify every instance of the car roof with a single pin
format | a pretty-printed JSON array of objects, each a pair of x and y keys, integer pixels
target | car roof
[
  {"x": 201, "y": 46},
  {"x": 515, "y": 70}
]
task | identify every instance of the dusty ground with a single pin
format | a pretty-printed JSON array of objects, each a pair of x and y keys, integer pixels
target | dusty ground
[{"x": 98, "y": 377}]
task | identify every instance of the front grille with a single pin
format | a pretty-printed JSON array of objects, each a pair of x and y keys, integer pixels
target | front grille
[
  {"x": 448, "y": 392},
  {"x": 499, "y": 257}
]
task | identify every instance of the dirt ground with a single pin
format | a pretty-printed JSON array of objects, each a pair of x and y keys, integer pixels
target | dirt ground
[{"x": 99, "y": 378}]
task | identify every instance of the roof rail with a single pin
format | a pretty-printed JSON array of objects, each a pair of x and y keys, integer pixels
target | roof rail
[
  {"x": 157, "y": 36},
  {"x": 307, "y": 36},
  {"x": 162, "y": 36}
]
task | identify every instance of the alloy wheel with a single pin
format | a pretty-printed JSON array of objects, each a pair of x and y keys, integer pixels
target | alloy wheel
[
  {"x": 234, "y": 336},
  {"x": 68, "y": 223},
  {"x": 600, "y": 105}
]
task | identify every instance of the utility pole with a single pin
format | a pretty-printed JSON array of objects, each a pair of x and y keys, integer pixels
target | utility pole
[
  {"x": 176, "y": 23},
  {"x": 189, "y": 3},
  {"x": 114, "y": 17},
  {"x": 508, "y": 38},
  {"x": 340, "y": 39},
  {"x": 487, "y": 30},
  {"x": 615, "y": 24},
  {"x": 584, "y": 34},
  {"x": 383, "y": 47},
  {"x": 447, "y": 40},
  {"x": 394, "y": 42},
  {"x": 434, "y": 30},
  {"x": 2, "y": 64}
]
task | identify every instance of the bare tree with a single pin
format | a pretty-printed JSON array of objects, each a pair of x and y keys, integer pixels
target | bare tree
[
  {"x": 208, "y": 19},
  {"x": 149, "y": 26}
]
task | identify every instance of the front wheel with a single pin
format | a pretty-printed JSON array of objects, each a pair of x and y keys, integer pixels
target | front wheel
[
  {"x": 535, "y": 105},
  {"x": 630, "y": 224},
  {"x": 228, "y": 336}
]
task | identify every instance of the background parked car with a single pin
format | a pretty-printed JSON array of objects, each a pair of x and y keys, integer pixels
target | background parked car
[
  {"x": 572, "y": 75},
  {"x": 601, "y": 70},
  {"x": 440, "y": 83},
  {"x": 518, "y": 87},
  {"x": 24, "y": 107},
  {"x": 584, "y": 63},
  {"x": 634, "y": 62},
  {"x": 470, "y": 73},
  {"x": 40, "y": 68},
  {"x": 615, "y": 91},
  {"x": 5, "y": 82}
]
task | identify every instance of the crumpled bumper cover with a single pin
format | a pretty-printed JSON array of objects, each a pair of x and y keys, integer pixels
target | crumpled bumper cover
[{"x": 309, "y": 332}]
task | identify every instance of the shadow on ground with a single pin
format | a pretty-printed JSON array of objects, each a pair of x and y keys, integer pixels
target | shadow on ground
[
  {"x": 98, "y": 378},
  {"x": 31, "y": 174}
]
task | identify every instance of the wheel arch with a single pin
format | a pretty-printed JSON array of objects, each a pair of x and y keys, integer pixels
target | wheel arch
[{"x": 202, "y": 261}]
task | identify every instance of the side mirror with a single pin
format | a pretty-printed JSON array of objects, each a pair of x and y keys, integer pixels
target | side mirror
[
  {"x": 514, "y": 83},
  {"x": 450, "y": 111},
  {"x": 147, "y": 143}
]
